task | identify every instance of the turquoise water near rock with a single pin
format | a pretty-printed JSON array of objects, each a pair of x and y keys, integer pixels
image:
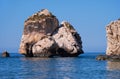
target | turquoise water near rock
[{"x": 83, "y": 67}]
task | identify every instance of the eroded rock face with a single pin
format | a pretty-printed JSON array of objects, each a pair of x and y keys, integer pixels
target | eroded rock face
[
  {"x": 68, "y": 40},
  {"x": 43, "y": 37},
  {"x": 113, "y": 38},
  {"x": 45, "y": 47},
  {"x": 35, "y": 27}
]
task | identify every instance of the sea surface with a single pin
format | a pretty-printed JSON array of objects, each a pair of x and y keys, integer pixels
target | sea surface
[{"x": 83, "y": 67}]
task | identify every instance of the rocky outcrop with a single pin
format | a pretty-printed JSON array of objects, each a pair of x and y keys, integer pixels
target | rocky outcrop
[
  {"x": 113, "y": 38},
  {"x": 113, "y": 42},
  {"x": 43, "y": 37},
  {"x": 108, "y": 57},
  {"x": 5, "y": 54},
  {"x": 68, "y": 40},
  {"x": 36, "y": 27},
  {"x": 46, "y": 47}
]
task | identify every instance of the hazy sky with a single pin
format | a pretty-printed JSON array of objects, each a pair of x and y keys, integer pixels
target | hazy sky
[{"x": 89, "y": 17}]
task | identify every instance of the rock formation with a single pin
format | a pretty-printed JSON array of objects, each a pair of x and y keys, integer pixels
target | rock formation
[
  {"x": 108, "y": 57},
  {"x": 113, "y": 42},
  {"x": 113, "y": 38},
  {"x": 43, "y": 37},
  {"x": 35, "y": 28},
  {"x": 68, "y": 40},
  {"x": 5, "y": 54},
  {"x": 45, "y": 47}
]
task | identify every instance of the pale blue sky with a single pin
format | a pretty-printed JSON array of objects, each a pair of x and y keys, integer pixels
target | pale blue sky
[{"x": 89, "y": 17}]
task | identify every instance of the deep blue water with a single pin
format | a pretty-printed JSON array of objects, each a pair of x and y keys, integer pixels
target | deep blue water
[{"x": 83, "y": 67}]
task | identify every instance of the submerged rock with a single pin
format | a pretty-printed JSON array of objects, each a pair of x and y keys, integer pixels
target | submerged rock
[
  {"x": 5, "y": 54},
  {"x": 108, "y": 57},
  {"x": 102, "y": 57},
  {"x": 113, "y": 38},
  {"x": 43, "y": 37}
]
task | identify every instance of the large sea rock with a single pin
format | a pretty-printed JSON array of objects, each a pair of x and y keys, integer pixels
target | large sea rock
[
  {"x": 113, "y": 38},
  {"x": 68, "y": 40},
  {"x": 113, "y": 42},
  {"x": 43, "y": 37}
]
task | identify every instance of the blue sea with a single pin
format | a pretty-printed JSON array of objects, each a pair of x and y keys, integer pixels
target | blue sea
[{"x": 83, "y": 67}]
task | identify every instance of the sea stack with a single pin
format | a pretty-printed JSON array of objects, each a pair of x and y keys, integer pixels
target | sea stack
[
  {"x": 113, "y": 42},
  {"x": 44, "y": 37},
  {"x": 113, "y": 38}
]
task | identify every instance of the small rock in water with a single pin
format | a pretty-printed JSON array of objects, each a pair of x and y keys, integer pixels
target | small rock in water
[
  {"x": 108, "y": 57},
  {"x": 5, "y": 54},
  {"x": 101, "y": 57}
]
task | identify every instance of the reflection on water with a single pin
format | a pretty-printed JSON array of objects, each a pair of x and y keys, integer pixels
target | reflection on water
[
  {"x": 83, "y": 67},
  {"x": 113, "y": 70},
  {"x": 111, "y": 65},
  {"x": 52, "y": 68}
]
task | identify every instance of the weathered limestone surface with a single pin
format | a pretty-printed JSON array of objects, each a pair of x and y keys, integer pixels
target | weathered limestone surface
[
  {"x": 44, "y": 37},
  {"x": 35, "y": 28},
  {"x": 45, "y": 47},
  {"x": 113, "y": 42},
  {"x": 68, "y": 40},
  {"x": 113, "y": 38}
]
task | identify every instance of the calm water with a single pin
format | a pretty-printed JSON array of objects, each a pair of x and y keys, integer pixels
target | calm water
[{"x": 83, "y": 67}]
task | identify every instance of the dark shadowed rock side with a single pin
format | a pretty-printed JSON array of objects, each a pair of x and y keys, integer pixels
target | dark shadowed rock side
[
  {"x": 44, "y": 37},
  {"x": 5, "y": 54},
  {"x": 113, "y": 42}
]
